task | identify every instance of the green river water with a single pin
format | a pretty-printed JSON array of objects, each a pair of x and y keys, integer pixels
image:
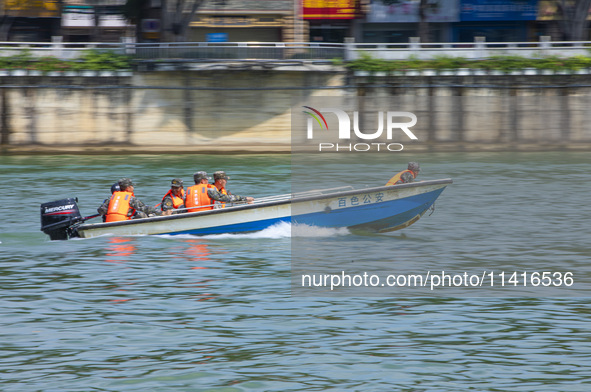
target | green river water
[{"x": 223, "y": 313}]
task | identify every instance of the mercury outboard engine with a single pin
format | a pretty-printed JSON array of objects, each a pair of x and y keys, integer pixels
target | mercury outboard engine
[{"x": 58, "y": 216}]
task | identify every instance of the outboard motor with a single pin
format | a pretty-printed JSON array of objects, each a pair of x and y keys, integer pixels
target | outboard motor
[{"x": 58, "y": 216}]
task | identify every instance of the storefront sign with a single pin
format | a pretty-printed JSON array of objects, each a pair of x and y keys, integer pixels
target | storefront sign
[
  {"x": 82, "y": 16},
  {"x": 498, "y": 10},
  {"x": 32, "y": 8},
  {"x": 150, "y": 25},
  {"x": 388, "y": 11},
  {"x": 112, "y": 21},
  {"x": 331, "y": 9},
  {"x": 217, "y": 37},
  {"x": 237, "y": 21}
]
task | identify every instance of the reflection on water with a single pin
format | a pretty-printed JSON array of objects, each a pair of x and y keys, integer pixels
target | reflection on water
[
  {"x": 120, "y": 249},
  {"x": 163, "y": 313},
  {"x": 197, "y": 251}
]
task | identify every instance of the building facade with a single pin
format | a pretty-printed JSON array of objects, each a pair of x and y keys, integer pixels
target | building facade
[
  {"x": 245, "y": 20},
  {"x": 29, "y": 20},
  {"x": 496, "y": 20},
  {"x": 331, "y": 20},
  {"x": 94, "y": 21},
  {"x": 395, "y": 21}
]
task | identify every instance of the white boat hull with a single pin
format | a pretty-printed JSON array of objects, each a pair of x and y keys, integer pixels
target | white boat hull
[{"x": 379, "y": 209}]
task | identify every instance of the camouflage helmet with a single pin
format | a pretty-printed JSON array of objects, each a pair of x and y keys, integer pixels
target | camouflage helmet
[
  {"x": 177, "y": 182},
  {"x": 125, "y": 183},
  {"x": 115, "y": 187},
  {"x": 220, "y": 175},
  {"x": 414, "y": 166},
  {"x": 200, "y": 175}
]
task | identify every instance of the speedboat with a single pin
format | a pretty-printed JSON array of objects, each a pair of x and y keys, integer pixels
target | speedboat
[{"x": 372, "y": 209}]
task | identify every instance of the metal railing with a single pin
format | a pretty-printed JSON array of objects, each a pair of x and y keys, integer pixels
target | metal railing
[
  {"x": 286, "y": 51},
  {"x": 186, "y": 50},
  {"x": 479, "y": 49}
]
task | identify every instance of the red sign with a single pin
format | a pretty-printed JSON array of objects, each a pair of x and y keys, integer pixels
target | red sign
[{"x": 330, "y": 9}]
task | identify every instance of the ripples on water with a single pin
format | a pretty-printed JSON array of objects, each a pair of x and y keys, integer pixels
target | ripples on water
[{"x": 214, "y": 313}]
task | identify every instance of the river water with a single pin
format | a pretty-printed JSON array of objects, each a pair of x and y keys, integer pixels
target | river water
[{"x": 217, "y": 313}]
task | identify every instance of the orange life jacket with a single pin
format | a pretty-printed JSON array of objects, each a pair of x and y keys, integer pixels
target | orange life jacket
[
  {"x": 119, "y": 207},
  {"x": 396, "y": 178},
  {"x": 176, "y": 201},
  {"x": 197, "y": 196}
]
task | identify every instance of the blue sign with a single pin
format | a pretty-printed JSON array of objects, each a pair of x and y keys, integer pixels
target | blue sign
[
  {"x": 498, "y": 10},
  {"x": 217, "y": 37}
]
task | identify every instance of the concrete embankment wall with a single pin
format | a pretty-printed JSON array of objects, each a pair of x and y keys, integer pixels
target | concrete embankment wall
[
  {"x": 484, "y": 112},
  {"x": 249, "y": 111},
  {"x": 152, "y": 111}
]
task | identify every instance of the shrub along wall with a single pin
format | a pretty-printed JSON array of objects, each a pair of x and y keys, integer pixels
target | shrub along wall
[
  {"x": 494, "y": 63},
  {"x": 89, "y": 60}
]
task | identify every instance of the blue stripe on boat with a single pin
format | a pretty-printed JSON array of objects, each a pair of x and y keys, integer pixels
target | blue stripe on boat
[
  {"x": 360, "y": 217},
  {"x": 245, "y": 227},
  {"x": 401, "y": 210}
]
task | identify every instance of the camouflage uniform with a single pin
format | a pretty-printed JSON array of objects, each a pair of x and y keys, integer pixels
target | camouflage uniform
[
  {"x": 406, "y": 177},
  {"x": 168, "y": 204},
  {"x": 142, "y": 210},
  {"x": 216, "y": 195}
]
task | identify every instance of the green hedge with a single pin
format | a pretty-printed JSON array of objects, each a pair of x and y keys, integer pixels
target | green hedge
[
  {"x": 91, "y": 60},
  {"x": 502, "y": 63},
  {"x": 95, "y": 60}
]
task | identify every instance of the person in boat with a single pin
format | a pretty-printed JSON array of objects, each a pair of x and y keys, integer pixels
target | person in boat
[
  {"x": 174, "y": 200},
  {"x": 197, "y": 197},
  {"x": 205, "y": 196},
  {"x": 406, "y": 176},
  {"x": 123, "y": 205},
  {"x": 114, "y": 188},
  {"x": 223, "y": 196}
]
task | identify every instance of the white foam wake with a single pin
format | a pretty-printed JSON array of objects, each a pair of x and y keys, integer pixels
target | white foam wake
[
  {"x": 278, "y": 230},
  {"x": 315, "y": 231}
]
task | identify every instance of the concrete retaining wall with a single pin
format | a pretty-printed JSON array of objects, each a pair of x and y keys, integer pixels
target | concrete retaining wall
[{"x": 234, "y": 110}]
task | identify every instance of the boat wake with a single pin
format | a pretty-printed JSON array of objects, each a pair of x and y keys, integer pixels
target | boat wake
[
  {"x": 315, "y": 231},
  {"x": 279, "y": 230}
]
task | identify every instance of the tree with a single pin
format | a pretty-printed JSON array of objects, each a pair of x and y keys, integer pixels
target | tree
[
  {"x": 177, "y": 16},
  {"x": 423, "y": 23},
  {"x": 135, "y": 11},
  {"x": 423, "y": 6},
  {"x": 573, "y": 19}
]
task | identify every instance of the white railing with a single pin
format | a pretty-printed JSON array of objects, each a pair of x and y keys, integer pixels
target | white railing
[
  {"x": 185, "y": 50},
  {"x": 288, "y": 51},
  {"x": 478, "y": 49}
]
